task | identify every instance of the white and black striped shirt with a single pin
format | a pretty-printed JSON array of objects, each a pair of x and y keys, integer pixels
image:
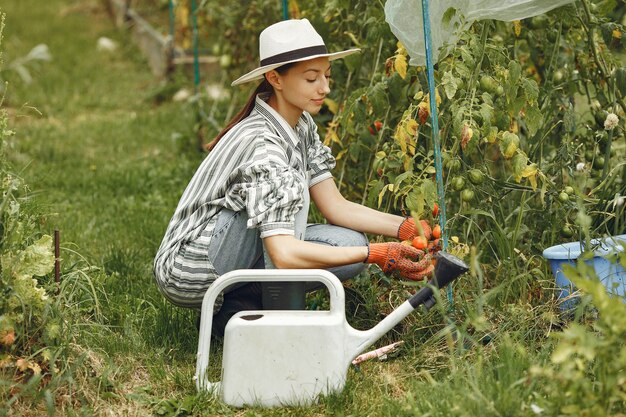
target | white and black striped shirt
[{"x": 261, "y": 166}]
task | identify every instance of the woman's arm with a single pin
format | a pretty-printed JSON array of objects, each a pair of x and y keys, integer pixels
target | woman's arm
[
  {"x": 287, "y": 252},
  {"x": 341, "y": 212}
]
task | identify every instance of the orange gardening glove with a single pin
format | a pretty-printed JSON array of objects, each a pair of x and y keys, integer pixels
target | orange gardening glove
[
  {"x": 409, "y": 262},
  {"x": 408, "y": 230}
]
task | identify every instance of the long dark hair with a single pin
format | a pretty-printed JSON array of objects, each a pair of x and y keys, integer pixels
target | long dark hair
[{"x": 263, "y": 87}]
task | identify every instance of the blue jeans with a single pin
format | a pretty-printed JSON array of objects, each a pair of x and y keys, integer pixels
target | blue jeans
[{"x": 234, "y": 246}]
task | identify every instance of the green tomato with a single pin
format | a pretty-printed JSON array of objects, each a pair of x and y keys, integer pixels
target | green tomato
[
  {"x": 539, "y": 22},
  {"x": 458, "y": 183},
  {"x": 569, "y": 190},
  {"x": 453, "y": 164},
  {"x": 488, "y": 84},
  {"x": 475, "y": 176},
  {"x": 216, "y": 48},
  {"x": 567, "y": 231},
  {"x": 552, "y": 34},
  {"x": 467, "y": 195},
  {"x": 563, "y": 197},
  {"x": 598, "y": 162},
  {"x": 225, "y": 61},
  {"x": 557, "y": 76}
]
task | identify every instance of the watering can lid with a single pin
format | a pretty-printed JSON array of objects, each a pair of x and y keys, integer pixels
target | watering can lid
[{"x": 572, "y": 250}]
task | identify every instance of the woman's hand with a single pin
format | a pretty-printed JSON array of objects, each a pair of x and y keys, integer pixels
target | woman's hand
[
  {"x": 409, "y": 262},
  {"x": 409, "y": 230}
]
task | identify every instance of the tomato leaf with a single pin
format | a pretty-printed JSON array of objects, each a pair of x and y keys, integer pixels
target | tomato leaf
[
  {"x": 531, "y": 89},
  {"x": 515, "y": 72},
  {"x": 509, "y": 145},
  {"x": 400, "y": 65},
  {"x": 378, "y": 98},
  {"x": 533, "y": 118},
  {"x": 450, "y": 84},
  {"x": 37, "y": 259},
  {"x": 569, "y": 120}
]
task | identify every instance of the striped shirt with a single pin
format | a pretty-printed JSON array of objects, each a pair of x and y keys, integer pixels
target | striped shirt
[{"x": 261, "y": 166}]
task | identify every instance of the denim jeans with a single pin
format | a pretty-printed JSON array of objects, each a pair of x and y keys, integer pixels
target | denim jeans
[{"x": 234, "y": 246}]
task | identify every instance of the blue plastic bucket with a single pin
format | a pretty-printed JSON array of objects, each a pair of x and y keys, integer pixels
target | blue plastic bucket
[{"x": 612, "y": 274}]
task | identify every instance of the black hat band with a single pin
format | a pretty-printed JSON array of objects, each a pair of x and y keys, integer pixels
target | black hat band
[{"x": 295, "y": 55}]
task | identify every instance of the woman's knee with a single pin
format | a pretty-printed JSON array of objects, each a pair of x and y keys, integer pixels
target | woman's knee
[
  {"x": 354, "y": 238},
  {"x": 332, "y": 235}
]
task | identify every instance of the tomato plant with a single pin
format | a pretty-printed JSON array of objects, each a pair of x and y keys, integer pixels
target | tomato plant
[{"x": 525, "y": 109}]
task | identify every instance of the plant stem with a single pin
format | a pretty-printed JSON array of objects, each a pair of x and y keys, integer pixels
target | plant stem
[
  {"x": 607, "y": 154},
  {"x": 590, "y": 37},
  {"x": 518, "y": 224},
  {"x": 483, "y": 43},
  {"x": 374, "y": 72},
  {"x": 373, "y": 155}
]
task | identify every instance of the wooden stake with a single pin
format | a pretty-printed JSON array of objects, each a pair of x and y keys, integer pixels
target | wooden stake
[{"x": 57, "y": 265}]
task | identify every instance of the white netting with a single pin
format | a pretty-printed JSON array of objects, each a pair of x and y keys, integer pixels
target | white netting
[{"x": 405, "y": 19}]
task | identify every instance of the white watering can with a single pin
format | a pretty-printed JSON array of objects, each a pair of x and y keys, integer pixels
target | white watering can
[{"x": 291, "y": 357}]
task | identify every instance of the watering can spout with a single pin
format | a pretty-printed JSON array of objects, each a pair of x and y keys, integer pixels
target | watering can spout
[{"x": 447, "y": 269}]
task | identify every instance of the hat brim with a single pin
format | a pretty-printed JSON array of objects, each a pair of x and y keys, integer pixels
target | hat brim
[{"x": 257, "y": 74}]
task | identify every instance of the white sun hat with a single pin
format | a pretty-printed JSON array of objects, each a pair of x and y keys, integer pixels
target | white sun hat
[{"x": 289, "y": 41}]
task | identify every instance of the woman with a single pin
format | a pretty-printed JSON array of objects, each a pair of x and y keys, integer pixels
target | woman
[{"x": 247, "y": 204}]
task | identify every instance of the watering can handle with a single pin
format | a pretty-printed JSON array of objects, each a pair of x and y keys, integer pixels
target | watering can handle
[{"x": 335, "y": 288}]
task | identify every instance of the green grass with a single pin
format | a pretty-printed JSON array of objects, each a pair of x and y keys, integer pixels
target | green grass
[
  {"x": 109, "y": 165},
  {"x": 105, "y": 162}
]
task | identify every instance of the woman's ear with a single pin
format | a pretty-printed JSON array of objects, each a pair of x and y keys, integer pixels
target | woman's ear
[{"x": 273, "y": 77}]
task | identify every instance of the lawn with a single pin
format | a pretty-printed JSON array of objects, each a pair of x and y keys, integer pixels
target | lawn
[{"x": 105, "y": 164}]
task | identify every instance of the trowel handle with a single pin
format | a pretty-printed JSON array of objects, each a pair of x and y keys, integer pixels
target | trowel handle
[{"x": 335, "y": 289}]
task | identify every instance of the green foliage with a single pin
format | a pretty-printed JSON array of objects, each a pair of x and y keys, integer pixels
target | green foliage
[
  {"x": 586, "y": 372},
  {"x": 26, "y": 257},
  {"x": 521, "y": 104},
  {"x": 36, "y": 314},
  {"x": 22, "y": 259}
]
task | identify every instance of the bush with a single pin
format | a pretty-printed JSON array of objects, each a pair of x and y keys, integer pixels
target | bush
[{"x": 586, "y": 373}]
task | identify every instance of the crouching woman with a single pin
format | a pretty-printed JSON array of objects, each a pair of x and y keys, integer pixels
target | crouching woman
[{"x": 247, "y": 204}]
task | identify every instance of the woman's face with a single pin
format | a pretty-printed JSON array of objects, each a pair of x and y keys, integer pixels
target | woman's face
[{"x": 305, "y": 85}]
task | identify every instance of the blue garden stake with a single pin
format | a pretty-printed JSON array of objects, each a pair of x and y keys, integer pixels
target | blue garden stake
[
  {"x": 171, "y": 9},
  {"x": 196, "y": 59},
  {"x": 435, "y": 132},
  {"x": 285, "y": 10}
]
